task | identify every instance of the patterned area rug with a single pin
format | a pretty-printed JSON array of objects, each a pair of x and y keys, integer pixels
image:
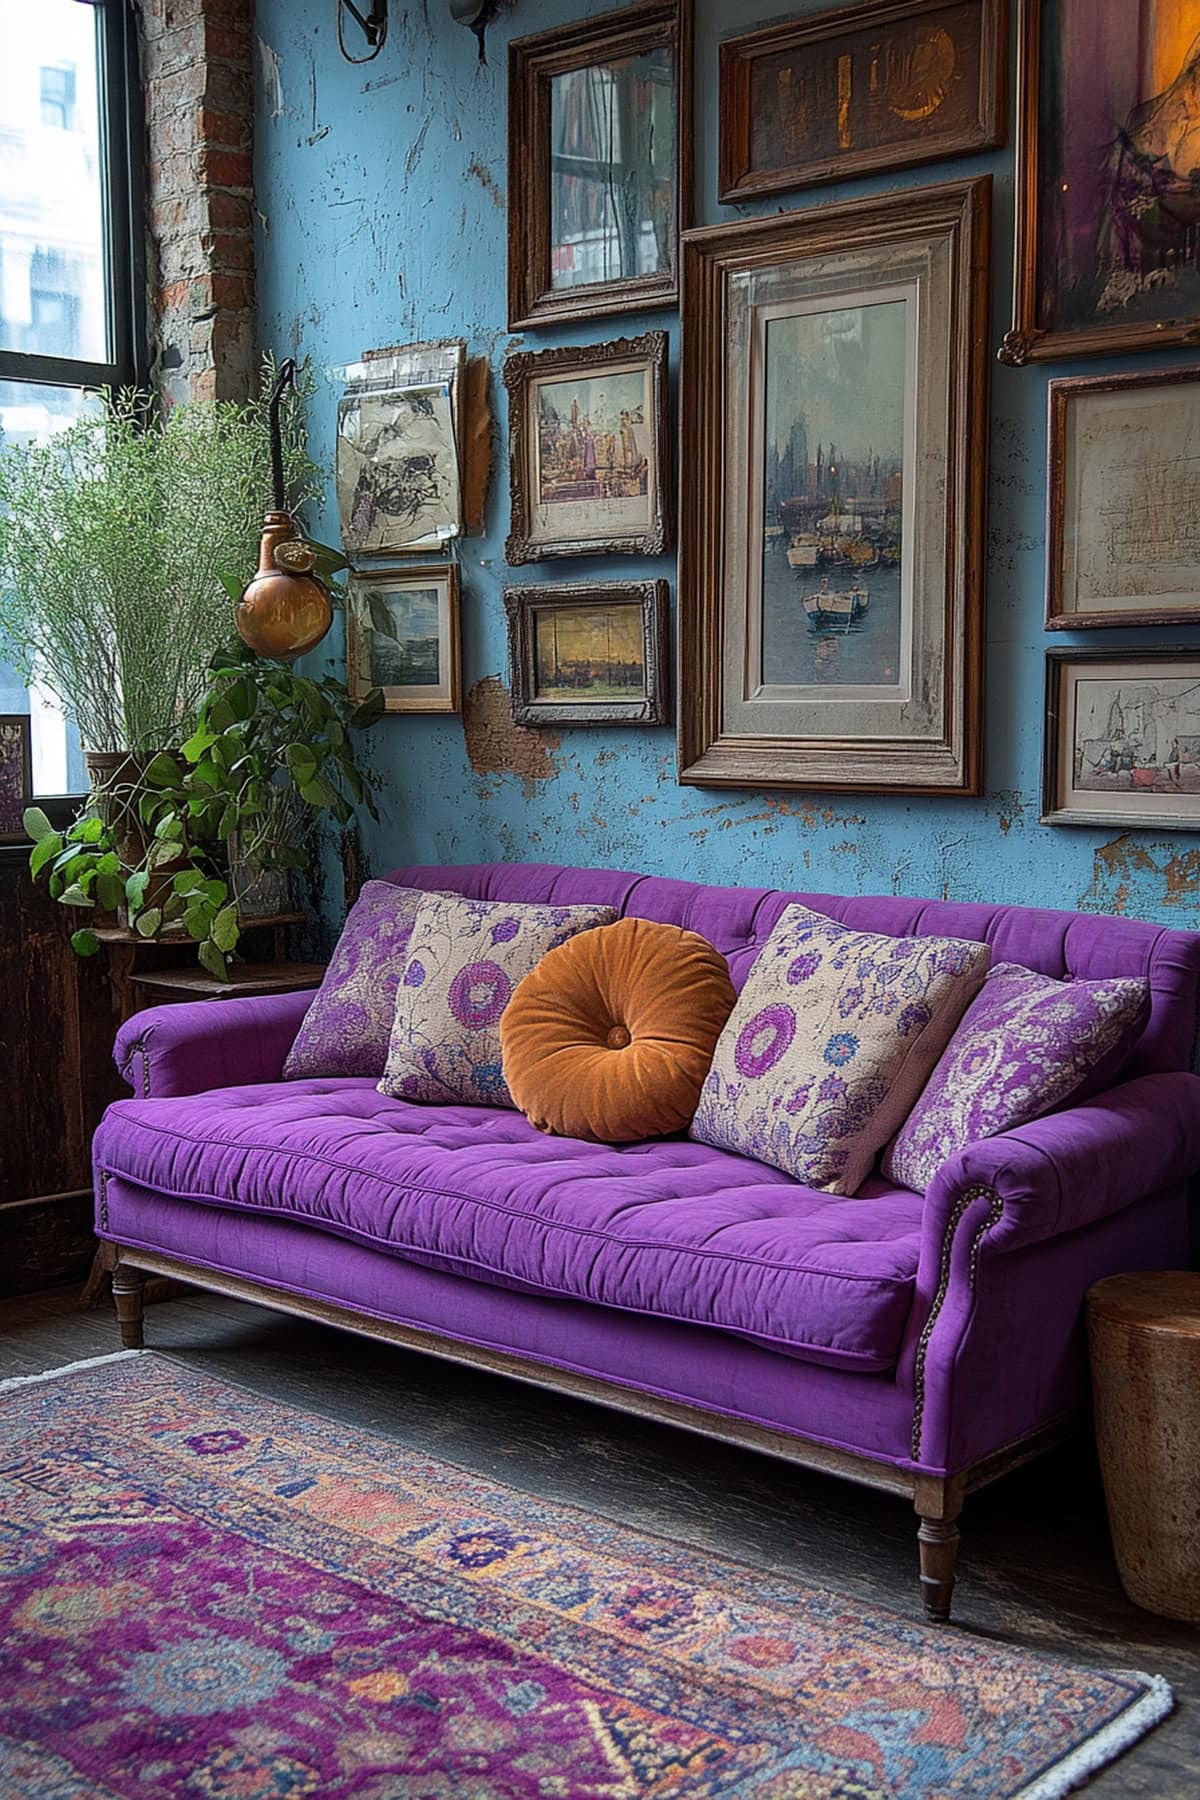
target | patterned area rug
[{"x": 207, "y": 1594}]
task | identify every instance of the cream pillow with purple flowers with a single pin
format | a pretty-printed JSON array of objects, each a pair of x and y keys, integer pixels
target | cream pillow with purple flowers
[
  {"x": 1027, "y": 1044},
  {"x": 832, "y": 1039},
  {"x": 465, "y": 958}
]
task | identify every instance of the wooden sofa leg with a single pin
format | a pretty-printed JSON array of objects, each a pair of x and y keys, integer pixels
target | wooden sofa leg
[
  {"x": 127, "y": 1288},
  {"x": 938, "y": 1503}
]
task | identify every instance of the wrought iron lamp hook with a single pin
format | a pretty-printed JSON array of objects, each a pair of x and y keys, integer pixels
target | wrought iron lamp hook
[{"x": 285, "y": 379}]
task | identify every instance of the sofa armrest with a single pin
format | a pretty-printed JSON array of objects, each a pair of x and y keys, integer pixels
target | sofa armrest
[
  {"x": 208, "y": 1043},
  {"x": 1071, "y": 1168}
]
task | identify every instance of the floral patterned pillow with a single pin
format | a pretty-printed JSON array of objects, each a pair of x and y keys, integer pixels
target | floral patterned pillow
[
  {"x": 465, "y": 957},
  {"x": 831, "y": 1041},
  {"x": 1026, "y": 1043},
  {"x": 346, "y": 1029}
]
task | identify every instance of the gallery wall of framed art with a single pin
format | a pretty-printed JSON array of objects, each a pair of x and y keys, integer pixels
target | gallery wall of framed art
[{"x": 851, "y": 91}]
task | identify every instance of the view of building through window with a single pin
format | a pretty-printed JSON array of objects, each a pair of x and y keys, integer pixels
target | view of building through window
[{"x": 54, "y": 297}]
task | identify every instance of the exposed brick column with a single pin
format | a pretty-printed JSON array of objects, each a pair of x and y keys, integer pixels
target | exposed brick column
[{"x": 197, "y": 76}]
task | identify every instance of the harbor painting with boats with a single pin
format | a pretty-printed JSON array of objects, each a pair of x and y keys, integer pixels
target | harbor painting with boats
[{"x": 833, "y": 490}]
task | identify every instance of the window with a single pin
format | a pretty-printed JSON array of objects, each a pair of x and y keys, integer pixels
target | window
[
  {"x": 58, "y": 97},
  {"x": 69, "y": 317}
]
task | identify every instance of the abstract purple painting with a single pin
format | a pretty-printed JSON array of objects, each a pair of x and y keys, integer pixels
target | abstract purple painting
[{"x": 1109, "y": 227}]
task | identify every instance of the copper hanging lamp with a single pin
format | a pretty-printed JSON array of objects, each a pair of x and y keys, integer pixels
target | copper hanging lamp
[{"x": 286, "y": 609}]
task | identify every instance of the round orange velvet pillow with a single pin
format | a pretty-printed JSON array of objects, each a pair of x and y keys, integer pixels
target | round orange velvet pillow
[{"x": 611, "y": 1036}]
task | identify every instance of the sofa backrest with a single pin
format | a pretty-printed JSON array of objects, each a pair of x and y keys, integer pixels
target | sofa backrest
[{"x": 739, "y": 919}]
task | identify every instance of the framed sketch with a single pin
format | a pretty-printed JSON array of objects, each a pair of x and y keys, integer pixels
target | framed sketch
[
  {"x": 587, "y": 429},
  {"x": 402, "y": 636},
  {"x": 832, "y": 530},
  {"x": 1108, "y": 212},
  {"x": 1122, "y": 739},
  {"x": 397, "y": 469},
  {"x": 860, "y": 90},
  {"x": 589, "y": 653},
  {"x": 599, "y": 163},
  {"x": 1123, "y": 543},
  {"x": 16, "y": 775}
]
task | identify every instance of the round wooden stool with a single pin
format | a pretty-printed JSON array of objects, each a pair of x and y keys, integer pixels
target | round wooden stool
[{"x": 1144, "y": 1334}]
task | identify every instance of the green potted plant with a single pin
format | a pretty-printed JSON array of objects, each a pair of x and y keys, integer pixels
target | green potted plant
[{"x": 269, "y": 753}]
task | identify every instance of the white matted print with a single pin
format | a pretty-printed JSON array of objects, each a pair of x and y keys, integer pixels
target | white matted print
[
  {"x": 402, "y": 637},
  {"x": 1124, "y": 539},
  {"x": 397, "y": 470},
  {"x": 1123, "y": 739}
]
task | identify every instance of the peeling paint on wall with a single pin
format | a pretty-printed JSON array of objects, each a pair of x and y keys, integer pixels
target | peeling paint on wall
[
  {"x": 496, "y": 745},
  {"x": 1144, "y": 879}
]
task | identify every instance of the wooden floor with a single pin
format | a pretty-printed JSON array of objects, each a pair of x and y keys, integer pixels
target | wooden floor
[{"x": 1036, "y": 1565}]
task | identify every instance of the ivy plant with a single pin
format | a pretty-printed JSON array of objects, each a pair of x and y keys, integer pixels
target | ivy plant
[{"x": 270, "y": 752}]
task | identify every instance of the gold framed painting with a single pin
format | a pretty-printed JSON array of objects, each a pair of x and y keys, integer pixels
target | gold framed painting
[
  {"x": 1124, "y": 498},
  {"x": 402, "y": 637},
  {"x": 834, "y": 400},
  {"x": 588, "y": 653},
  {"x": 1122, "y": 743},
  {"x": 599, "y": 163},
  {"x": 587, "y": 430},
  {"x": 1108, "y": 210}
]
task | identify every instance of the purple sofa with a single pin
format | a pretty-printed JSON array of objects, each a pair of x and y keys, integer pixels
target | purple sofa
[{"x": 924, "y": 1345}]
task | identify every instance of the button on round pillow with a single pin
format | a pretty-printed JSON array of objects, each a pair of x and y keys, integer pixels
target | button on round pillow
[{"x": 610, "y": 1038}]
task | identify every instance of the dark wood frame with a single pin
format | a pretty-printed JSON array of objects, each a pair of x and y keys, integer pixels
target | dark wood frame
[
  {"x": 1060, "y": 395},
  {"x": 937, "y": 1499},
  {"x": 521, "y": 602},
  {"x": 708, "y": 757},
  {"x": 560, "y": 363},
  {"x": 17, "y": 835},
  {"x": 358, "y": 684},
  {"x": 738, "y": 179},
  {"x": 532, "y": 63},
  {"x": 1027, "y": 341},
  {"x": 1057, "y": 660}
]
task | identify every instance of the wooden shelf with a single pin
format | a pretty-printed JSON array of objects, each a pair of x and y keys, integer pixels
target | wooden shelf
[
  {"x": 176, "y": 935},
  {"x": 244, "y": 978}
]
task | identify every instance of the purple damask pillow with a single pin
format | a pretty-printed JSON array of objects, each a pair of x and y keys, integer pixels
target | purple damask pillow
[
  {"x": 464, "y": 959},
  {"x": 1026, "y": 1044},
  {"x": 831, "y": 1041},
  {"x": 346, "y": 1029}
]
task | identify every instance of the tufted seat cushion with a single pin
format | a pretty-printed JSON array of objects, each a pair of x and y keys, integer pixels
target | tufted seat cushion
[{"x": 673, "y": 1228}]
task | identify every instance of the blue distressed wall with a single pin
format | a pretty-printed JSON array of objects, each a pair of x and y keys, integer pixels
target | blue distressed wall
[{"x": 382, "y": 197}]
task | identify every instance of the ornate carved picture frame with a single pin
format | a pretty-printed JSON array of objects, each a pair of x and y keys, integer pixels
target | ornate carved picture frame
[
  {"x": 832, "y": 532},
  {"x": 589, "y": 653},
  {"x": 599, "y": 164},
  {"x": 860, "y": 90},
  {"x": 588, "y": 454}
]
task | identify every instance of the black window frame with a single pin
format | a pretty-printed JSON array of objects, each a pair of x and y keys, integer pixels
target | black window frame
[{"x": 122, "y": 136}]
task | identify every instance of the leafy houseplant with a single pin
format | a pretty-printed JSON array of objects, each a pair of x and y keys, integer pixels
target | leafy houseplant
[
  {"x": 113, "y": 539},
  {"x": 270, "y": 751}
]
